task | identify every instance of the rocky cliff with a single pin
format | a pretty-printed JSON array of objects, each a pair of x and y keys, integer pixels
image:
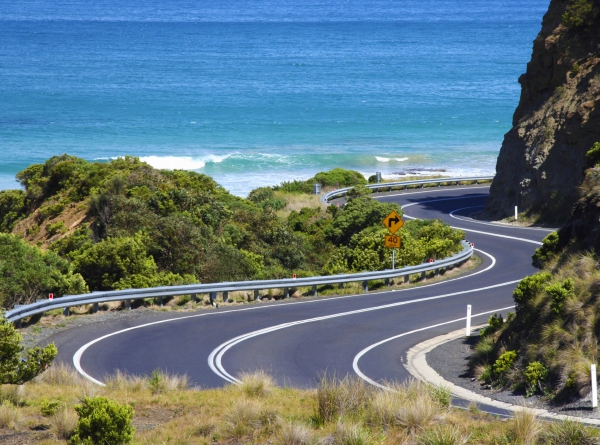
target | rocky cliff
[{"x": 542, "y": 159}]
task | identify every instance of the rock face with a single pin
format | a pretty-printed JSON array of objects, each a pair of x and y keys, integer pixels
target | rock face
[{"x": 542, "y": 159}]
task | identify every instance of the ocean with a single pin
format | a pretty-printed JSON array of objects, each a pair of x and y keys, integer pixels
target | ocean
[{"x": 256, "y": 92}]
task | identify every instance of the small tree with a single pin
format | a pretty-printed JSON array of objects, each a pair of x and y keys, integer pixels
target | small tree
[
  {"x": 103, "y": 421},
  {"x": 18, "y": 365}
]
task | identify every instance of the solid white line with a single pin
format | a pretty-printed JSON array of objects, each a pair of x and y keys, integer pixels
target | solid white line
[
  {"x": 215, "y": 357},
  {"x": 77, "y": 356},
  {"x": 435, "y": 189},
  {"x": 465, "y": 229},
  {"x": 373, "y": 346},
  {"x": 473, "y": 221}
]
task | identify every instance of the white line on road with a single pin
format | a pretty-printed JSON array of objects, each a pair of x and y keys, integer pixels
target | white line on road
[
  {"x": 373, "y": 346},
  {"x": 216, "y": 356},
  {"x": 473, "y": 221}
]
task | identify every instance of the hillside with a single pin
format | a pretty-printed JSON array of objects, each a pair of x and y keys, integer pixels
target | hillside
[
  {"x": 123, "y": 224},
  {"x": 543, "y": 157}
]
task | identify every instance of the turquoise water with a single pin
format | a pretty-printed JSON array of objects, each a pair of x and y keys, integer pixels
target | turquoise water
[{"x": 257, "y": 92}]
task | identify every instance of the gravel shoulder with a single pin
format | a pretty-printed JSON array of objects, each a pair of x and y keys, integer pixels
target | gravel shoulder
[{"x": 450, "y": 361}]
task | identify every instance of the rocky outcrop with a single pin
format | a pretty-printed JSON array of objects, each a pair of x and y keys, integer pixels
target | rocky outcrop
[{"x": 542, "y": 159}]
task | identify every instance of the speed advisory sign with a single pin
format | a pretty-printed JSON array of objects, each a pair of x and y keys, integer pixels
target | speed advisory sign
[{"x": 393, "y": 241}]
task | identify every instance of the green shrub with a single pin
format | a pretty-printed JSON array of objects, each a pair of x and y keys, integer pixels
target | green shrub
[
  {"x": 535, "y": 374},
  {"x": 550, "y": 246},
  {"x": 528, "y": 289},
  {"x": 592, "y": 157},
  {"x": 103, "y": 421},
  {"x": 559, "y": 292},
  {"x": 50, "y": 211},
  {"x": 338, "y": 177},
  {"x": 495, "y": 322},
  {"x": 49, "y": 407},
  {"x": 57, "y": 227},
  {"x": 505, "y": 362},
  {"x": 579, "y": 14}
]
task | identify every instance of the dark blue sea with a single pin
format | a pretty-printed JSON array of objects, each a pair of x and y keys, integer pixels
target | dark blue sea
[{"x": 255, "y": 92}]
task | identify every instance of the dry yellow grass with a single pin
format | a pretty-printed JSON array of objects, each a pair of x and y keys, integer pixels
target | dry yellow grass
[{"x": 411, "y": 415}]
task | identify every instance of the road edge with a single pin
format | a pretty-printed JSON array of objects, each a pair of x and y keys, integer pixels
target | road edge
[{"x": 417, "y": 366}]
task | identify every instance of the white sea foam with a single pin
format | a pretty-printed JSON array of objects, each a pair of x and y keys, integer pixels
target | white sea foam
[
  {"x": 382, "y": 159},
  {"x": 181, "y": 162}
]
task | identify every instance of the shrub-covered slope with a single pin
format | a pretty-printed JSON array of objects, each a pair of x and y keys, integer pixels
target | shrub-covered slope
[{"x": 124, "y": 224}]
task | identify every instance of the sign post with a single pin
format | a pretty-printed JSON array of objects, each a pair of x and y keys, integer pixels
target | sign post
[{"x": 393, "y": 223}]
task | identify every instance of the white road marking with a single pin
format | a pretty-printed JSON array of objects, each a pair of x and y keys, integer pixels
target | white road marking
[
  {"x": 435, "y": 189},
  {"x": 473, "y": 221},
  {"x": 373, "y": 346},
  {"x": 216, "y": 356},
  {"x": 464, "y": 229}
]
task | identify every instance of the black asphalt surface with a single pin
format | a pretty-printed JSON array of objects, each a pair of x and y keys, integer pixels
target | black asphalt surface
[{"x": 298, "y": 354}]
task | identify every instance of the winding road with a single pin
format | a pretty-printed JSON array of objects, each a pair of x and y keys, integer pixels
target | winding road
[{"x": 296, "y": 341}]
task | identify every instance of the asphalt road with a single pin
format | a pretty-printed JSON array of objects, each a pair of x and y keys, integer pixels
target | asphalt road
[{"x": 297, "y": 341}]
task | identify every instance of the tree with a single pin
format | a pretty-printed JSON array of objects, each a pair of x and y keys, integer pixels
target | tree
[
  {"x": 27, "y": 273},
  {"x": 18, "y": 365}
]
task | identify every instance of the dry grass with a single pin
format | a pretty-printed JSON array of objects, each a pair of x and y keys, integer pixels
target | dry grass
[
  {"x": 568, "y": 432},
  {"x": 122, "y": 381},
  {"x": 296, "y": 202},
  {"x": 256, "y": 383},
  {"x": 160, "y": 382},
  {"x": 64, "y": 422},
  {"x": 294, "y": 434},
  {"x": 525, "y": 427},
  {"x": 411, "y": 414},
  {"x": 9, "y": 415}
]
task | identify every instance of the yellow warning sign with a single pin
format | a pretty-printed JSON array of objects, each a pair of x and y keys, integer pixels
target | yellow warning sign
[
  {"x": 393, "y": 241},
  {"x": 393, "y": 222}
]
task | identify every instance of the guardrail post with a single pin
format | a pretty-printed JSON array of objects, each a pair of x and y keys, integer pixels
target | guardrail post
[
  {"x": 286, "y": 292},
  {"x": 225, "y": 297},
  {"x": 406, "y": 278},
  {"x": 160, "y": 301},
  {"x": 256, "y": 294},
  {"x": 340, "y": 285},
  {"x": 366, "y": 286},
  {"x": 17, "y": 323},
  {"x": 212, "y": 296},
  {"x": 314, "y": 290},
  {"x": 437, "y": 272},
  {"x": 94, "y": 308},
  {"x": 439, "y": 184},
  {"x": 387, "y": 282},
  {"x": 127, "y": 304},
  {"x": 194, "y": 299},
  {"x": 423, "y": 276}
]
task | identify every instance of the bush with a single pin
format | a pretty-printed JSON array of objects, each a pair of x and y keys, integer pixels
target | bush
[
  {"x": 338, "y": 177},
  {"x": 535, "y": 374},
  {"x": 550, "y": 246},
  {"x": 579, "y": 14},
  {"x": 593, "y": 155},
  {"x": 504, "y": 363},
  {"x": 49, "y": 407},
  {"x": 495, "y": 322},
  {"x": 559, "y": 292},
  {"x": 103, "y": 421},
  {"x": 528, "y": 289}
]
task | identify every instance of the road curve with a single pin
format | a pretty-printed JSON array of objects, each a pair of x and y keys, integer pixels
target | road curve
[{"x": 297, "y": 340}]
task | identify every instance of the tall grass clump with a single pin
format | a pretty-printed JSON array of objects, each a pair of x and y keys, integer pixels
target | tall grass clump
[
  {"x": 243, "y": 419},
  {"x": 294, "y": 434},
  {"x": 160, "y": 382},
  {"x": 63, "y": 423},
  {"x": 61, "y": 374},
  {"x": 9, "y": 415},
  {"x": 256, "y": 383},
  {"x": 569, "y": 432},
  {"x": 443, "y": 435},
  {"x": 524, "y": 428},
  {"x": 12, "y": 394},
  {"x": 350, "y": 434},
  {"x": 122, "y": 381},
  {"x": 336, "y": 397}
]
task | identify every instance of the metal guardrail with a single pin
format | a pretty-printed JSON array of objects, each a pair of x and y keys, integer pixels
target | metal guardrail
[
  {"x": 16, "y": 314},
  {"x": 389, "y": 185}
]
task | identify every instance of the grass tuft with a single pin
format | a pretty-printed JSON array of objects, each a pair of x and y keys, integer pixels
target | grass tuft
[
  {"x": 350, "y": 434},
  {"x": 122, "y": 381},
  {"x": 243, "y": 419},
  {"x": 256, "y": 383},
  {"x": 336, "y": 397},
  {"x": 64, "y": 422},
  {"x": 568, "y": 432},
  {"x": 525, "y": 427},
  {"x": 160, "y": 382},
  {"x": 9, "y": 415},
  {"x": 443, "y": 435},
  {"x": 294, "y": 434}
]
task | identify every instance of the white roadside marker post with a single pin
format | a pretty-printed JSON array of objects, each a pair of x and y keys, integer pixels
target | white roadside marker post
[
  {"x": 468, "y": 332},
  {"x": 594, "y": 387},
  {"x": 516, "y": 212}
]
